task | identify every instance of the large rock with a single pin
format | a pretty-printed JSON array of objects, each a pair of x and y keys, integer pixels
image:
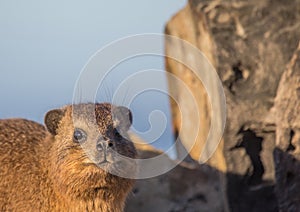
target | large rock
[
  {"x": 287, "y": 154},
  {"x": 249, "y": 43},
  {"x": 184, "y": 26},
  {"x": 187, "y": 187}
]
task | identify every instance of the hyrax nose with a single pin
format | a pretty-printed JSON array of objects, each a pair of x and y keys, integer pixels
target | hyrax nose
[{"x": 104, "y": 145}]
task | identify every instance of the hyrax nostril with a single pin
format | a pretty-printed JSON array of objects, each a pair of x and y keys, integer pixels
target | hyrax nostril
[
  {"x": 100, "y": 147},
  {"x": 110, "y": 144}
]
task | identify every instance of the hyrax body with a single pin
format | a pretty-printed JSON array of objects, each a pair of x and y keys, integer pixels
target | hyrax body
[{"x": 71, "y": 165}]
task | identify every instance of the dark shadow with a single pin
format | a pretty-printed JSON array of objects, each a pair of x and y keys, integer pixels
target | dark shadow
[
  {"x": 287, "y": 174},
  {"x": 244, "y": 197},
  {"x": 291, "y": 147},
  {"x": 253, "y": 147},
  {"x": 250, "y": 192},
  {"x": 237, "y": 75}
]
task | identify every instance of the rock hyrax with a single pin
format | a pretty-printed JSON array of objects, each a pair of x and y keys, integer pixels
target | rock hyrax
[{"x": 57, "y": 168}]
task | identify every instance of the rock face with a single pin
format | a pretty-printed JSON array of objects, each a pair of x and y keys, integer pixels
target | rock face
[
  {"x": 249, "y": 43},
  {"x": 287, "y": 153},
  {"x": 185, "y": 188},
  {"x": 184, "y": 26}
]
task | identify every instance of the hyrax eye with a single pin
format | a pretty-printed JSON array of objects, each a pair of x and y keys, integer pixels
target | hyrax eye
[{"x": 79, "y": 136}]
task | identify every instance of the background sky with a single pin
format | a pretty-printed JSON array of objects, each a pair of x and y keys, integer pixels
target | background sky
[{"x": 45, "y": 44}]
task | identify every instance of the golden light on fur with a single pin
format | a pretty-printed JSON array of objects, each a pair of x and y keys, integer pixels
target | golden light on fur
[{"x": 45, "y": 170}]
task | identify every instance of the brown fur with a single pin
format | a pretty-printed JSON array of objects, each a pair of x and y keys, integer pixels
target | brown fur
[{"x": 43, "y": 171}]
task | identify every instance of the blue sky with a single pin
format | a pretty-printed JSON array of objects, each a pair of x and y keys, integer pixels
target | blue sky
[{"x": 45, "y": 44}]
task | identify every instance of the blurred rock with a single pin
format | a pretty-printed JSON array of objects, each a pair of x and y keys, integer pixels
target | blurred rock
[
  {"x": 287, "y": 155},
  {"x": 187, "y": 187},
  {"x": 249, "y": 43}
]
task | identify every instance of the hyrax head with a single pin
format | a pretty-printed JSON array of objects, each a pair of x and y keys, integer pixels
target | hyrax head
[{"x": 90, "y": 141}]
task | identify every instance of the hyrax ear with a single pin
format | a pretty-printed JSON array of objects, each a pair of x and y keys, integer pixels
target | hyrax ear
[
  {"x": 52, "y": 119},
  {"x": 122, "y": 117}
]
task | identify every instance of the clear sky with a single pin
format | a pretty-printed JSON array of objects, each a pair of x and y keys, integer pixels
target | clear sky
[{"x": 45, "y": 44}]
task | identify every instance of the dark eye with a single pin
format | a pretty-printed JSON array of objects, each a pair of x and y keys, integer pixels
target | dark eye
[
  {"x": 79, "y": 136},
  {"x": 116, "y": 133}
]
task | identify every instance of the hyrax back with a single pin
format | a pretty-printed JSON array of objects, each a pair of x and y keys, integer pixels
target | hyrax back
[{"x": 67, "y": 166}]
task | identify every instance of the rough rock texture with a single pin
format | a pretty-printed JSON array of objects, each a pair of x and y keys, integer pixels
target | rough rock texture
[
  {"x": 185, "y": 188},
  {"x": 183, "y": 26},
  {"x": 287, "y": 153},
  {"x": 249, "y": 43}
]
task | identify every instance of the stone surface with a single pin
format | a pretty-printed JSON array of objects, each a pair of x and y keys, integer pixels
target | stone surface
[
  {"x": 184, "y": 26},
  {"x": 287, "y": 154},
  {"x": 249, "y": 43},
  {"x": 187, "y": 187}
]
